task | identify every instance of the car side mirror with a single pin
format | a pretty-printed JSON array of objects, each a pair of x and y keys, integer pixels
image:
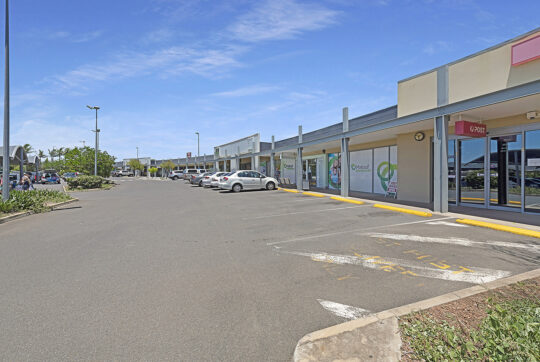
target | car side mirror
[{"x": 263, "y": 176}]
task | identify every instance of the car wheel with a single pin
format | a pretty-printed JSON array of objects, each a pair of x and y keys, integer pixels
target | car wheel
[
  {"x": 175, "y": 178},
  {"x": 200, "y": 183},
  {"x": 237, "y": 188},
  {"x": 270, "y": 186}
]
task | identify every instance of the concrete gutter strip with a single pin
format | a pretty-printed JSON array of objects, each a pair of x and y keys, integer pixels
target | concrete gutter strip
[
  {"x": 376, "y": 337},
  {"x": 26, "y": 213},
  {"x": 500, "y": 227}
]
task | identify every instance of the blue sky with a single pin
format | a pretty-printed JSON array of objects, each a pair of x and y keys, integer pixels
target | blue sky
[{"x": 163, "y": 69}]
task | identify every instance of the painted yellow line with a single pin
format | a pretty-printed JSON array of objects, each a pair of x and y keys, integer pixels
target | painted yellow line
[
  {"x": 509, "y": 229},
  {"x": 492, "y": 200},
  {"x": 312, "y": 194},
  {"x": 401, "y": 209},
  {"x": 289, "y": 190},
  {"x": 357, "y": 202}
]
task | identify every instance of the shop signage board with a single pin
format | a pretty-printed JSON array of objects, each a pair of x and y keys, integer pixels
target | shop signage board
[
  {"x": 533, "y": 162},
  {"x": 526, "y": 51},
  {"x": 470, "y": 129},
  {"x": 334, "y": 171},
  {"x": 188, "y": 155},
  {"x": 361, "y": 170}
]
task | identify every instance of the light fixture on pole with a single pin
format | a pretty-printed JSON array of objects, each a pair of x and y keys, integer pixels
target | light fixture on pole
[
  {"x": 97, "y": 140},
  {"x": 83, "y": 143},
  {"x": 5, "y": 169},
  {"x": 198, "y": 150}
]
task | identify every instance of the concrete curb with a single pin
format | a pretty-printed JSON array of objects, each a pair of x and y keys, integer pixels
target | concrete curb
[
  {"x": 26, "y": 213},
  {"x": 308, "y": 193},
  {"x": 508, "y": 229},
  {"x": 294, "y": 191},
  {"x": 351, "y": 201},
  {"x": 328, "y": 344},
  {"x": 404, "y": 210}
]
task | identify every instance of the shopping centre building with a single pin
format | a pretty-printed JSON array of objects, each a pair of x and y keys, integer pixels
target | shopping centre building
[{"x": 466, "y": 133}]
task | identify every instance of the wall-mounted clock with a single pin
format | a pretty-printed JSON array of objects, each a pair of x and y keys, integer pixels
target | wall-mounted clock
[{"x": 419, "y": 136}]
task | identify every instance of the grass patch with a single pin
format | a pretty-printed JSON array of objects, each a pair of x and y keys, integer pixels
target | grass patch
[
  {"x": 33, "y": 200},
  {"x": 497, "y": 326}
]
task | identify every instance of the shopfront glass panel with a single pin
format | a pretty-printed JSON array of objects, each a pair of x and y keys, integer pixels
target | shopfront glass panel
[
  {"x": 334, "y": 171},
  {"x": 532, "y": 171},
  {"x": 361, "y": 170},
  {"x": 505, "y": 171},
  {"x": 381, "y": 170},
  {"x": 452, "y": 171},
  {"x": 472, "y": 153}
]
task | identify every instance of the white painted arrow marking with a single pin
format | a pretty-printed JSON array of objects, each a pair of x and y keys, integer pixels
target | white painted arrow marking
[
  {"x": 343, "y": 310},
  {"x": 454, "y": 241}
]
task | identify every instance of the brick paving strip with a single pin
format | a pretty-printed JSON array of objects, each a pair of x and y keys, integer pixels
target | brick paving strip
[{"x": 376, "y": 337}]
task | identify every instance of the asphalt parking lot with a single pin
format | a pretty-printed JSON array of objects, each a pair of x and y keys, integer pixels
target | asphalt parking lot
[{"x": 163, "y": 270}]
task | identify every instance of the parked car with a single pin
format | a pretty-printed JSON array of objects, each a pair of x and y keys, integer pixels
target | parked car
[
  {"x": 126, "y": 173},
  {"x": 247, "y": 180},
  {"x": 207, "y": 179},
  {"x": 198, "y": 179},
  {"x": 176, "y": 174},
  {"x": 50, "y": 178},
  {"x": 213, "y": 180},
  {"x": 68, "y": 175},
  {"x": 115, "y": 173},
  {"x": 188, "y": 172},
  {"x": 35, "y": 176}
]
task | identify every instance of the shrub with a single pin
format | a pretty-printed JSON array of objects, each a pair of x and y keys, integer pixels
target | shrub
[
  {"x": 34, "y": 200},
  {"x": 86, "y": 182}
]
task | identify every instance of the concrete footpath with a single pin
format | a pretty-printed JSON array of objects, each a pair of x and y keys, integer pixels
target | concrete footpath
[{"x": 376, "y": 337}]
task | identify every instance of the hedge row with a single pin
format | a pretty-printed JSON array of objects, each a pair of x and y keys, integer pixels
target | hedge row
[{"x": 33, "y": 200}]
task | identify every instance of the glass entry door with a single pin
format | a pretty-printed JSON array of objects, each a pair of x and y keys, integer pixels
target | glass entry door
[
  {"x": 472, "y": 165},
  {"x": 505, "y": 171}
]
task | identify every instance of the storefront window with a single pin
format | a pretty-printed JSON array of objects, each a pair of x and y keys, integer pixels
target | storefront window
[
  {"x": 472, "y": 170},
  {"x": 362, "y": 171},
  {"x": 532, "y": 171},
  {"x": 505, "y": 171},
  {"x": 334, "y": 171},
  {"x": 452, "y": 171},
  {"x": 374, "y": 170}
]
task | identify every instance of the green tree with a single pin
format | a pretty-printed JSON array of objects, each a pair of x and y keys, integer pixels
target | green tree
[
  {"x": 41, "y": 154},
  {"x": 153, "y": 171},
  {"x": 136, "y": 165},
  {"x": 166, "y": 167},
  {"x": 82, "y": 160},
  {"x": 28, "y": 148}
]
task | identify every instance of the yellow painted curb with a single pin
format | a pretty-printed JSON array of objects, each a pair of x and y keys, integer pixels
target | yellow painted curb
[
  {"x": 312, "y": 194},
  {"x": 509, "y": 229},
  {"x": 357, "y": 202},
  {"x": 406, "y": 211},
  {"x": 289, "y": 190}
]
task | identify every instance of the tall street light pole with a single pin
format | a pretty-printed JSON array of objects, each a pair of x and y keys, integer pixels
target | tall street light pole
[
  {"x": 97, "y": 140},
  {"x": 198, "y": 151},
  {"x": 137, "y": 157},
  {"x": 5, "y": 172}
]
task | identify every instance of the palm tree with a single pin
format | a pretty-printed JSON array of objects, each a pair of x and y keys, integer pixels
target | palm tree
[
  {"x": 52, "y": 153},
  {"x": 41, "y": 155},
  {"x": 60, "y": 153},
  {"x": 28, "y": 148}
]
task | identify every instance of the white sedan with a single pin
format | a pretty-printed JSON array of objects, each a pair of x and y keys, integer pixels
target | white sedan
[{"x": 247, "y": 180}]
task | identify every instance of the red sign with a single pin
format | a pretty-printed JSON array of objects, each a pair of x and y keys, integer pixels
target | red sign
[
  {"x": 526, "y": 51},
  {"x": 470, "y": 129},
  {"x": 188, "y": 155}
]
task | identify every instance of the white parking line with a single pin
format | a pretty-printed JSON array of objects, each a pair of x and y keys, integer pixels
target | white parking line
[
  {"x": 352, "y": 231},
  {"x": 477, "y": 276},
  {"x": 302, "y": 212},
  {"x": 446, "y": 223},
  {"x": 454, "y": 241}
]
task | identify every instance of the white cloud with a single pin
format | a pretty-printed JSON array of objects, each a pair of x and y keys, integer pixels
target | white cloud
[
  {"x": 436, "y": 47},
  {"x": 281, "y": 19},
  {"x": 169, "y": 61},
  {"x": 247, "y": 91},
  {"x": 74, "y": 38}
]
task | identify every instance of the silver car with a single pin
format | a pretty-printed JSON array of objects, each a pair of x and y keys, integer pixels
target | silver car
[
  {"x": 213, "y": 179},
  {"x": 247, "y": 180}
]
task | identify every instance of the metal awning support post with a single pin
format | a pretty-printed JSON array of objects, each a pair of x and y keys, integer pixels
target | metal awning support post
[
  {"x": 345, "y": 174},
  {"x": 299, "y": 173},
  {"x": 440, "y": 164},
  {"x": 272, "y": 160}
]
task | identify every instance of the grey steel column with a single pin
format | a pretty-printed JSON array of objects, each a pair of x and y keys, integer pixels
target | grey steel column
[
  {"x": 272, "y": 161},
  {"x": 21, "y": 163},
  {"x": 345, "y": 174},
  {"x": 299, "y": 173},
  {"x": 97, "y": 146},
  {"x": 440, "y": 164},
  {"x": 5, "y": 163}
]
